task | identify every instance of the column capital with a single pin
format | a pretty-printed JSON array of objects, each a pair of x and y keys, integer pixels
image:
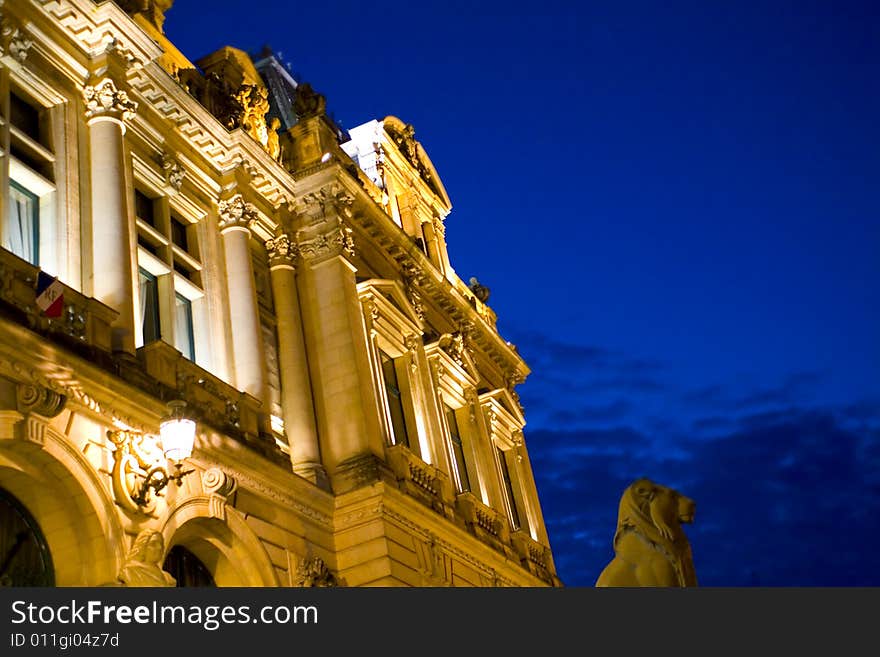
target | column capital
[
  {"x": 282, "y": 252},
  {"x": 235, "y": 212},
  {"x": 105, "y": 99}
]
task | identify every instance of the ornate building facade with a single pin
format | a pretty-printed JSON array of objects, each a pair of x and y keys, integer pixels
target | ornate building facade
[{"x": 200, "y": 236}]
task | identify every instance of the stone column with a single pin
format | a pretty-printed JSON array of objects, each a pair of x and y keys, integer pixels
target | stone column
[
  {"x": 107, "y": 109},
  {"x": 249, "y": 363},
  {"x": 296, "y": 388},
  {"x": 348, "y": 422}
]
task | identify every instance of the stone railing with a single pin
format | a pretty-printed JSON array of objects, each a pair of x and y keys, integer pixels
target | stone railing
[
  {"x": 423, "y": 481},
  {"x": 484, "y": 522},
  {"x": 211, "y": 400},
  {"x": 84, "y": 324},
  {"x": 534, "y": 557}
]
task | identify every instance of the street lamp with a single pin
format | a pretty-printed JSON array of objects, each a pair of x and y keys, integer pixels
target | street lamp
[{"x": 140, "y": 461}]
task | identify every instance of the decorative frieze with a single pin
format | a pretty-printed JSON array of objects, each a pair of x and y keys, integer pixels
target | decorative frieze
[
  {"x": 338, "y": 241},
  {"x": 324, "y": 203},
  {"x": 104, "y": 99},
  {"x": 235, "y": 212}
]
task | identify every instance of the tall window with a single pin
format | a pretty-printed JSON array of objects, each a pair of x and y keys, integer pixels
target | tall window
[
  {"x": 183, "y": 327},
  {"x": 460, "y": 465},
  {"x": 508, "y": 488},
  {"x": 169, "y": 273},
  {"x": 395, "y": 400},
  {"x": 149, "y": 298},
  {"x": 31, "y": 175}
]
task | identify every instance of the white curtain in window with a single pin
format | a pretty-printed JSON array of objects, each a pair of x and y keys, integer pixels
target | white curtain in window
[
  {"x": 183, "y": 328},
  {"x": 143, "y": 293},
  {"x": 20, "y": 229}
]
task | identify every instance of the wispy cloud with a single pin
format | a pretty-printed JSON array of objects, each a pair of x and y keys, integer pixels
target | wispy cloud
[{"x": 787, "y": 488}]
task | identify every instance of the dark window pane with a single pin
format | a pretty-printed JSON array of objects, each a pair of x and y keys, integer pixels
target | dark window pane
[
  {"x": 24, "y": 554},
  {"x": 24, "y": 116},
  {"x": 149, "y": 297},
  {"x": 143, "y": 208},
  {"x": 395, "y": 400},
  {"x": 457, "y": 450},
  {"x": 178, "y": 233},
  {"x": 187, "y": 568},
  {"x": 508, "y": 489}
]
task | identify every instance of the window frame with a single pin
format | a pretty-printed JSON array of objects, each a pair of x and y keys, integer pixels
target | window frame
[
  {"x": 504, "y": 422},
  {"x": 159, "y": 256},
  {"x": 393, "y": 327}
]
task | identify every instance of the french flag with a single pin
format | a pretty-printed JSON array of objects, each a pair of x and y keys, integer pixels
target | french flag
[{"x": 50, "y": 295}]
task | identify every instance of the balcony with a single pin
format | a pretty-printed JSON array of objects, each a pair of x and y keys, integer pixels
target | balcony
[
  {"x": 424, "y": 482},
  {"x": 484, "y": 522},
  {"x": 212, "y": 401},
  {"x": 534, "y": 557},
  {"x": 84, "y": 324}
]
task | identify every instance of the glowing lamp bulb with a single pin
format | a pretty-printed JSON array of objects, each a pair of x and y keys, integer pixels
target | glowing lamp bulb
[{"x": 178, "y": 433}]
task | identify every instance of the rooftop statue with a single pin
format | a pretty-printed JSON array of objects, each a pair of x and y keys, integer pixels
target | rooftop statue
[
  {"x": 143, "y": 563},
  {"x": 650, "y": 546}
]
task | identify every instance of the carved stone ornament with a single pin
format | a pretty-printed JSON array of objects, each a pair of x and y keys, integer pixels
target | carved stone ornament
[
  {"x": 134, "y": 457},
  {"x": 313, "y": 572},
  {"x": 254, "y": 102},
  {"x": 281, "y": 251},
  {"x": 410, "y": 277},
  {"x": 39, "y": 400},
  {"x": 333, "y": 243},
  {"x": 236, "y": 212},
  {"x": 174, "y": 173},
  {"x": 104, "y": 99},
  {"x": 152, "y": 10},
  {"x": 412, "y": 342},
  {"x": 650, "y": 546},
  {"x": 326, "y": 202},
  {"x": 142, "y": 565},
  {"x": 13, "y": 39},
  {"x": 219, "y": 487},
  {"x": 307, "y": 102}
]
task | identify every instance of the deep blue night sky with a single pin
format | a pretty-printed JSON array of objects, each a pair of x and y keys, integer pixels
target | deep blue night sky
[{"x": 677, "y": 209}]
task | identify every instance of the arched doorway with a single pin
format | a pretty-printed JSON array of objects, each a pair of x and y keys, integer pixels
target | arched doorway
[
  {"x": 187, "y": 568},
  {"x": 24, "y": 554}
]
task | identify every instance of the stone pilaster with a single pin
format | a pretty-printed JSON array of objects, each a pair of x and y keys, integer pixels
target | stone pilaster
[
  {"x": 345, "y": 402},
  {"x": 296, "y": 387},
  {"x": 107, "y": 108}
]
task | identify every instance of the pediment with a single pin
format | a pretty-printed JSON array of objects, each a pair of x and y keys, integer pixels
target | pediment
[{"x": 402, "y": 135}]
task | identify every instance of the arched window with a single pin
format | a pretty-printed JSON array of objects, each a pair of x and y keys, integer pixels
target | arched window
[
  {"x": 186, "y": 568},
  {"x": 24, "y": 555}
]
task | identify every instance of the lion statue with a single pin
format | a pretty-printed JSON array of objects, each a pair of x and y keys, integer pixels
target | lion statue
[{"x": 650, "y": 546}]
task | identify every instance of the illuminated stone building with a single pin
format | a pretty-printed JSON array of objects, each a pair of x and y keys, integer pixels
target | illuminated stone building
[{"x": 203, "y": 232}]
